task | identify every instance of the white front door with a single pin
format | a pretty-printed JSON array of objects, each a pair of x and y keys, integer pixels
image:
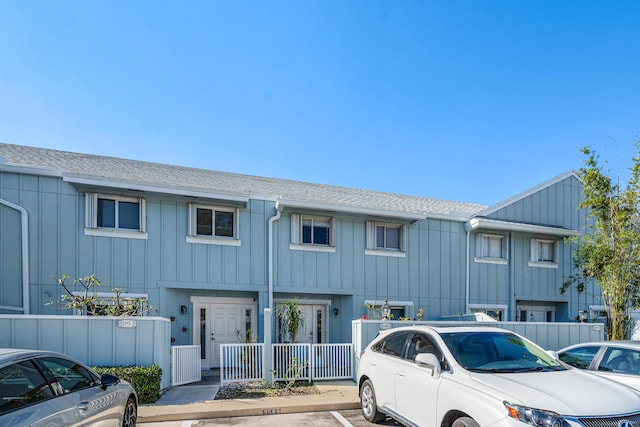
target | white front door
[
  {"x": 222, "y": 323},
  {"x": 313, "y": 328}
]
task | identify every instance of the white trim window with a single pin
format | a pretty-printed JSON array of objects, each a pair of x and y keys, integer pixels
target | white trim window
[
  {"x": 115, "y": 216},
  {"x": 106, "y": 302},
  {"x": 213, "y": 225},
  {"x": 399, "y": 309},
  {"x": 492, "y": 248},
  {"x": 544, "y": 253},
  {"x": 387, "y": 239},
  {"x": 496, "y": 312},
  {"x": 310, "y": 232}
]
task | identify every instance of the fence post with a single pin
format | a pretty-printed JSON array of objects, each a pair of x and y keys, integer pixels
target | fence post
[{"x": 267, "y": 351}]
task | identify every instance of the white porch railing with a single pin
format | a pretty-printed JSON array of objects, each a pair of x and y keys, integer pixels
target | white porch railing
[
  {"x": 291, "y": 361},
  {"x": 185, "y": 364},
  {"x": 241, "y": 363},
  {"x": 244, "y": 362},
  {"x": 331, "y": 361}
]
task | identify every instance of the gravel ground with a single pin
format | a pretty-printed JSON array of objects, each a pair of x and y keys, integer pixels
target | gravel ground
[{"x": 256, "y": 390}]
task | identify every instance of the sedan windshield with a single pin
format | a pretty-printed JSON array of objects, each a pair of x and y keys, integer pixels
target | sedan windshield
[{"x": 498, "y": 352}]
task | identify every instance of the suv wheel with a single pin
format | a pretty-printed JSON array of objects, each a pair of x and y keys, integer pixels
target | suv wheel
[{"x": 369, "y": 405}]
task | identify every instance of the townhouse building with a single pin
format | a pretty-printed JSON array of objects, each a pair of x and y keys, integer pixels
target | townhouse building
[{"x": 211, "y": 250}]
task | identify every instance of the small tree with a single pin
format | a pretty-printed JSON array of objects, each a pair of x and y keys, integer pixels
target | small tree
[
  {"x": 609, "y": 252},
  {"x": 291, "y": 318},
  {"x": 88, "y": 301}
]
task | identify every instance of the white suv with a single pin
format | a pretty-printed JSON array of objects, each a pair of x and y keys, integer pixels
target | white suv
[{"x": 476, "y": 376}]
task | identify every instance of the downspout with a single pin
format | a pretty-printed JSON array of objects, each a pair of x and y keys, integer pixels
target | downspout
[
  {"x": 468, "y": 268},
  {"x": 270, "y": 250},
  {"x": 24, "y": 216}
]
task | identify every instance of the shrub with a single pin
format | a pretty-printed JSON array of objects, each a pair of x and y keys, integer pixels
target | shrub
[{"x": 144, "y": 379}]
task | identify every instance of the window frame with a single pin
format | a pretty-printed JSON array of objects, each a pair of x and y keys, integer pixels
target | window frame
[
  {"x": 372, "y": 247},
  {"x": 194, "y": 237},
  {"x": 91, "y": 217},
  {"x": 109, "y": 299},
  {"x": 485, "y": 308},
  {"x": 480, "y": 246},
  {"x": 407, "y": 308},
  {"x": 297, "y": 223},
  {"x": 534, "y": 260}
]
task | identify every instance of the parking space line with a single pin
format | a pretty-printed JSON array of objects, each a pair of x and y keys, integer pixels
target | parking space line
[{"x": 342, "y": 420}]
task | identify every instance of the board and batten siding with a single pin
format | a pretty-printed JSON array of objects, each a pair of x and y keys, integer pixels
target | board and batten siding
[
  {"x": 552, "y": 206},
  {"x": 431, "y": 275},
  {"x": 58, "y": 245}
]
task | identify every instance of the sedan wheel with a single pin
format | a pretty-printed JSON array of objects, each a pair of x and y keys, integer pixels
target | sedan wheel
[
  {"x": 369, "y": 405},
  {"x": 130, "y": 413},
  {"x": 465, "y": 422}
]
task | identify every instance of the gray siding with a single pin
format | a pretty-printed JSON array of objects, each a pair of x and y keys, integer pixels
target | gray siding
[
  {"x": 170, "y": 270},
  {"x": 552, "y": 206}
]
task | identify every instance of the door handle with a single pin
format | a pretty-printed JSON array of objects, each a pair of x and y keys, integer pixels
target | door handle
[
  {"x": 83, "y": 406},
  {"x": 402, "y": 373},
  {"x": 212, "y": 337}
]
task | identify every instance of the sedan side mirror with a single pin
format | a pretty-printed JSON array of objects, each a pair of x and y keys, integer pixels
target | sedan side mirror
[
  {"x": 430, "y": 361},
  {"x": 108, "y": 380}
]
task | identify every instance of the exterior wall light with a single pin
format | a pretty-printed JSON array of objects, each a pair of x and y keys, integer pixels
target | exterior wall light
[
  {"x": 582, "y": 316},
  {"x": 386, "y": 310}
]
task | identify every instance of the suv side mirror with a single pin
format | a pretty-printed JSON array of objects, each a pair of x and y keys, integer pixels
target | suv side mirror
[
  {"x": 430, "y": 361},
  {"x": 108, "y": 380}
]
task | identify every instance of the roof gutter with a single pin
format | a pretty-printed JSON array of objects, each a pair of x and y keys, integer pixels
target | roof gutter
[
  {"x": 494, "y": 224},
  {"x": 152, "y": 188},
  {"x": 303, "y": 204}
]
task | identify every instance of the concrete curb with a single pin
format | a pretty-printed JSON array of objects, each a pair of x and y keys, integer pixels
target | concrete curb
[{"x": 330, "y": 398}]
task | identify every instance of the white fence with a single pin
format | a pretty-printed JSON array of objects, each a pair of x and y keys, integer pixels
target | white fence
[
  {"x": 245, "y": 362},
  {"x": 94, "y": 340},
  {"x": 241, "y": 363},
  {"x": 185, "y": 364},
  {"x": 331, "y": 361}
]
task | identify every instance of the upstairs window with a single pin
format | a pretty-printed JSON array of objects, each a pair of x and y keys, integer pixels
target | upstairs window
[
  {"x": 211, "y": 224},
  {"x": 316, "y": 231},
  {"x": 115, "y": 215},
  {"x": 310, "y": 232},
  {"x": 544, "y": 253},
  {"x": 385, "y": 239},
  {"x": 492, "y": 248}
]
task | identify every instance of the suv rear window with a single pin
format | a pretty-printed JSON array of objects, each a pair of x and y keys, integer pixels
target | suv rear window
[{"x": 393, "y": 344}]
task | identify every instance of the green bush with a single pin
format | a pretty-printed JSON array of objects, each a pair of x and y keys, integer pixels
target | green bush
[{"x": 144, "y": 379}]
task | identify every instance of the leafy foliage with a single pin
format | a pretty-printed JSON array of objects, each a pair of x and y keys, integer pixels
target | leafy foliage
[
  {"x": 610, "y": 250},
  {"x": 144, "y": 379},
  {"x": 88, "y": 302},
  {"x": 291, "y": 318}
]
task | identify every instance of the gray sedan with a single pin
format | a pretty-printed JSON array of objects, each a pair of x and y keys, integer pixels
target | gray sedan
[{"x": 43, "y": 388}]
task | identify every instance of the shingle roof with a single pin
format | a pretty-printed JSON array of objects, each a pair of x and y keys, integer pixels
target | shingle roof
[{"x": 209, "y": 181}]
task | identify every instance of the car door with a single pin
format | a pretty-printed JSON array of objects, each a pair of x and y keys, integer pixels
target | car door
[
  {"x": 27, "y": 399},
  {"x": 384, "y": 366},
  {"x": 416, "y": 386},
  {"x": 83, "y": 390}
]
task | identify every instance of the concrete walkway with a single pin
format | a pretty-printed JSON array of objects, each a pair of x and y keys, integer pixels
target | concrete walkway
[{"x": 189, "y": 402}]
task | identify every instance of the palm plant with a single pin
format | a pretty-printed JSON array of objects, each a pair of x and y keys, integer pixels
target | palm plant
[{"x": 291, "y": 318}]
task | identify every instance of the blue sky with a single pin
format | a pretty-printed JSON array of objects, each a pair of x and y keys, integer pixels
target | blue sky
[{"x": 463, "y": 100}]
